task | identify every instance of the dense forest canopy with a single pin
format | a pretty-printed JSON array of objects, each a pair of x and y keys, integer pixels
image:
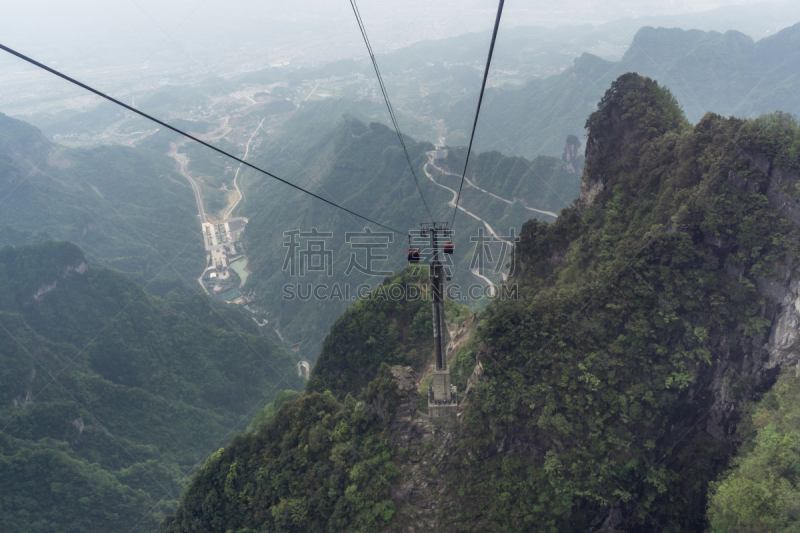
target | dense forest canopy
[{"x": 113, "y": 395}]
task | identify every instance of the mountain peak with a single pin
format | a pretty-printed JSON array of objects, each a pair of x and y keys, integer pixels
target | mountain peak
[{"x": 634, "y": 110}]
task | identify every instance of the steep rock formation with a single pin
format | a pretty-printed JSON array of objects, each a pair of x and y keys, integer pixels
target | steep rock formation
[
  {"x": 648, "y": 315},
  {"x": 572, "y": 157}
]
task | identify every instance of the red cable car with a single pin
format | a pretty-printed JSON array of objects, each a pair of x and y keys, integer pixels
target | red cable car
[
  {"x": 449, "y": 277},
  {"x": 449, "y": 248},
  {"x": 413, "y": 255}
]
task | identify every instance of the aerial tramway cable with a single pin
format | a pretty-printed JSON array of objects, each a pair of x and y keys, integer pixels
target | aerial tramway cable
[
  {"x": 176, "y": 130},
  {"x": 388, "y": 103},
  {"x": 477, "y": 111}
]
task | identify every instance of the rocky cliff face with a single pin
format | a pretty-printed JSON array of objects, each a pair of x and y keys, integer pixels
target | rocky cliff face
[
  {"x": 759, "y": 359},
  {"x": 572, "y": 157},
  {"x": 421, "y": 490},
  {"x": 66, "y": 271}
]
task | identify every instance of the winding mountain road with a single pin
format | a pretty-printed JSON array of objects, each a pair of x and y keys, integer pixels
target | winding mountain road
[
  {"x": 443, "y": 171},
  {"x": 227, "y": 214},
  {"x": 183, "y": 161},
  {"x": 452, "y": 203}
]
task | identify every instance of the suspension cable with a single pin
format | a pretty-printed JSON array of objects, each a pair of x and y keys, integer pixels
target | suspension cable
[
  {"x": 176, "y": 130},
  {"x": 388, "y": 103},
  {"x": 477, "y": 111}
]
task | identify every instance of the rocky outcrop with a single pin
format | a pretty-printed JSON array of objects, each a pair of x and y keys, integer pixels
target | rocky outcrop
[
  {"x": 784, "y": 338},
  {"x": 406, "y": 427},
  {"x": 44, "y": 289},
  {"x": 633, "y": 112},
  {"x": 22, "y": 401},
  {"x": 755, "y": 364},
  {"x": 419, "y": 493},
  {"x": 73, "y": 270},
  {"x": 591, "y": 187},
  {"x": 571, "y": 158},
  {"x": 74, "y": 434},
  {"x": 779, "y": 186}
]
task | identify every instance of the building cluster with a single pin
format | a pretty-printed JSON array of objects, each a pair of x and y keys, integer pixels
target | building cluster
[
  {"x": 249, "y": 297},
  {"x": 221, "y": 240}
]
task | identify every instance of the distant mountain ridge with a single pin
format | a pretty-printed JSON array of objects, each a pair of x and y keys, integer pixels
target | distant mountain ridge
[
  {"x": 724, "y": 72},
  {"x": 127, "y": 208}
]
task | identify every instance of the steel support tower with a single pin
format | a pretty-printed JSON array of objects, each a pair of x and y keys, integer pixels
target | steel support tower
[{"x": 442, "y": 400}]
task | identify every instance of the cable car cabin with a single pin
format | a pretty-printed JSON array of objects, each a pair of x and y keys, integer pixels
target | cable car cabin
[
  {"x": 413, "y": 255},
  {"x": 449, "y": 248},
  {"x": 449, "y": 277}
]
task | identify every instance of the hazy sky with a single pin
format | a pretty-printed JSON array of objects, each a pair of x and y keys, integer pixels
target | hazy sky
[
  {"x": 108, "y": 27},
  {"x": 111, "y": 42}
]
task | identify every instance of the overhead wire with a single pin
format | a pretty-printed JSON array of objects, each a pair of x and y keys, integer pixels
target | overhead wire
[
  {"x": 185, "y": 134},
  {"x": 478, "y": 110},
  {"x": 392, "y": 115}
]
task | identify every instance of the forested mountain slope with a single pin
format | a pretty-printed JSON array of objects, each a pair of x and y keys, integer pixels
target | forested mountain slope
[
  {"x": 375, "y": 331},
  {"x": 110, "y": 396},
  {"x": 127, "y": 208},
  {"x": 607, "y": 397},
  {"x": 725, "y": 73},
  {"x": 321, "y": 462},
  {"x": 648, "y": 314}
]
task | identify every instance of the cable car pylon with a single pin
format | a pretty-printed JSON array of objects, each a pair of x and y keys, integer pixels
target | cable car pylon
[{"x": 442, "y": 397}]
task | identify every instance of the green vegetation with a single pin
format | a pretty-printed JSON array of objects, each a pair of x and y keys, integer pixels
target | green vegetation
[
  {"x": 361, "y": 167},
  {"x": 597, "y": 381},
  {"x": 109, "y": 396},
  {"x": 317, "y": 465},
  {"x": 377, "y": 330},
  {"x": 543, "y": 183},
  {"x": 46, "y": 488},
  {"x": 761, "y": 491},
  {"x": 462, "y": 366},
  {"x": 268, "y": 412},
  {"x": 603, "y": 363}
]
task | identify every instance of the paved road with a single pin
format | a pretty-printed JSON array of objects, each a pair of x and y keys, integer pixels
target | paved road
[
  {"x": 452, "y": 203},
  {"x": 430, "y": 160},
  {"x": 183, "y": 160},
  {"x": 312, "y": 92},
  {"x": 238, "y": 190}
]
